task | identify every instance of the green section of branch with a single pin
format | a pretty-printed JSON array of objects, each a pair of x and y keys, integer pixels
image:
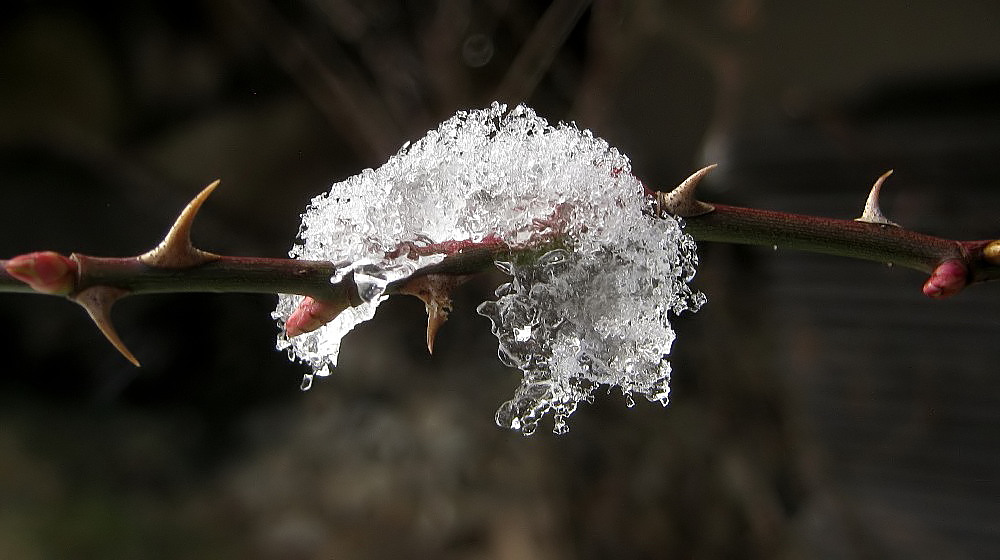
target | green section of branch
[{"x": 10, "y": 284}]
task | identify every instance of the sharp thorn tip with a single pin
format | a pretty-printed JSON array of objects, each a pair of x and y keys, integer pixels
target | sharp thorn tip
[
  {"x": 681, "y": 201},
  {"x": 97, "y": 301},
  {"x": 176, "y": 250},
  {"x": 872, "y": 213}
]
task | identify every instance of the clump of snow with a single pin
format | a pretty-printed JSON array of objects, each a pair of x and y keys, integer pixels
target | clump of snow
[{"x": 595, "y": 311}]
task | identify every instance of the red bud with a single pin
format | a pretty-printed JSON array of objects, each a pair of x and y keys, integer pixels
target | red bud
[
  {"x": 312, "y": 314},
  {"x": 47, "y": 272},
  {"x": 947, "y": 279}
]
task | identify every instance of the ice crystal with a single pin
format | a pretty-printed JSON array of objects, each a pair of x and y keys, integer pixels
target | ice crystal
[
  {"x": 574, "y": 320},
  {"x": 593, "y": 311}
]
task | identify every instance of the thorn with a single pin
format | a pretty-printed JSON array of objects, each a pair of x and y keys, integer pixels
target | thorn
[
  {"x": 873, "y": 213},
  {"x": 176, "y": 250},
  {"x": 435, "y": 291},
  {"x": 97, "y": 300},
  {"x": 437, "y": 315},
  {"x": 681, "y": 201}
]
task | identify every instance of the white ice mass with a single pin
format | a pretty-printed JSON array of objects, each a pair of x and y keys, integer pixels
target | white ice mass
[{"x": 593, "y": 312}]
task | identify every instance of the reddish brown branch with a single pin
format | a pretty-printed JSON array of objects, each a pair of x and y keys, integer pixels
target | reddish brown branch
[
  {"x": 176, "y": 266},
  {"x": 846, "y": 238},
  {"x": 952, "y": 264}
]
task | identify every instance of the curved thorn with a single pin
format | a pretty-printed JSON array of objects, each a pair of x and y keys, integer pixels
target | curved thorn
[
  {"x": 435, "y": 291},
  {"x": 681, "y": 201},
  {"x": 437, "y": 315},
  {"x": 176, "y": 250},
  {"x": 873, "y": 213},
  {"x": 97, "y": 300}
]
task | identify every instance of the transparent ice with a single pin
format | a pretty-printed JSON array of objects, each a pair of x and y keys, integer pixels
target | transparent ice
[
  {"x": 593, "y": 312},
  {"x": 575, "y": 320}
]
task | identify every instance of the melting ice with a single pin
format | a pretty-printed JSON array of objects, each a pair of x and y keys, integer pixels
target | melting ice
[{"x": 593, "y": 313}]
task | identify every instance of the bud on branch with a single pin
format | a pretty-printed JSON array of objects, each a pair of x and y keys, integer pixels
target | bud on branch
[{"x": 46, "y": 272}]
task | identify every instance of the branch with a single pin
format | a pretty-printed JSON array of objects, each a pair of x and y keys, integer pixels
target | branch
[
  {"x": 952, "y": 264},
  {"x": 175, "y": 265}
]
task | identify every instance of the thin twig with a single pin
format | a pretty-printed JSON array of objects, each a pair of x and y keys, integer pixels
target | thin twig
[
  {"x": 540, "y": 50},
  {"x": 347, "y": 104}
]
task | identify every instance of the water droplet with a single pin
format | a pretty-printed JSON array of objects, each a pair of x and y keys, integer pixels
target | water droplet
[
  {"x": 370, "y": 287},
  {"x": 307, "y": 381},
  {"x": 506, "y": 416}
]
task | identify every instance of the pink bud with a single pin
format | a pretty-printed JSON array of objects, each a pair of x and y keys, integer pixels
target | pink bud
[
  {"x": 47, "y": 272},
  {"x": 947, "y": 279},
  {"x": 312, "y": 314}
]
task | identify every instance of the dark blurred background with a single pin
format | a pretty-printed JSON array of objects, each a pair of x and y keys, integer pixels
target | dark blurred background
[{"x": 822, "y": 407}]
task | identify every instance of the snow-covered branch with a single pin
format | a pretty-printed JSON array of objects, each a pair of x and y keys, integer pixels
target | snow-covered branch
[{"x": 598, "y": 265}]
